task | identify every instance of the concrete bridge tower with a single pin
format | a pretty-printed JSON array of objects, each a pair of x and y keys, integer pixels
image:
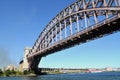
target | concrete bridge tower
[{"x": 25, "y": 61}]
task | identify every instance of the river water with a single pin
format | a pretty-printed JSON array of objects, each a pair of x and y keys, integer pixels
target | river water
[{"x": 85, "y": 76}]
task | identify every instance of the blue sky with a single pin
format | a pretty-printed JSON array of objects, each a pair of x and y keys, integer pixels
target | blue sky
[{"x": 21, "y": 22}]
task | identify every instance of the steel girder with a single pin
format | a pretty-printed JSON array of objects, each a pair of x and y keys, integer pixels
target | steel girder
[{"x": 75, "y": 18}]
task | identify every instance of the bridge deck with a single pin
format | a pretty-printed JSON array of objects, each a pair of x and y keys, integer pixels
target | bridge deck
[{"x": 98, "y": 30}]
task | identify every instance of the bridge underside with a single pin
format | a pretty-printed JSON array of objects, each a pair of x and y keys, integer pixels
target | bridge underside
[{"x": 84, "y": 36}]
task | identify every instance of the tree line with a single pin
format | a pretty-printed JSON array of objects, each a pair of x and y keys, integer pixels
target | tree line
[{"x": 14, "y": 73}]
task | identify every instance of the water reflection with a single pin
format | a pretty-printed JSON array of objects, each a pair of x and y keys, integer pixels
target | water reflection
[{"x": 88, "y": 76}]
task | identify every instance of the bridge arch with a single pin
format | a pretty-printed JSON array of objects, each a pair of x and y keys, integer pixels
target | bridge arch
[{"x": 77, "y": 23}]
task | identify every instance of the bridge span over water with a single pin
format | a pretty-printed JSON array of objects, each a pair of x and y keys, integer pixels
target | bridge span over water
[{"x": 80, "y": 22}]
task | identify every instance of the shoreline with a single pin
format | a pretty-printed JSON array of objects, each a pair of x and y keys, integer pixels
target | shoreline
[{"x": 34, "y": 75}]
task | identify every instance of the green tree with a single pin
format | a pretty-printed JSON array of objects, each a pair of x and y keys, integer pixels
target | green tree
[
  {"x": 32, "y": 72},
  {"x": 13, "y": 72},
  {"x": 119, "y": 11},
  {"x": 25, "y": 72},
  {"x": 19, "y": 73},
  {"x": 1, "y": 72},
  {"x": 7, "y": 73}
]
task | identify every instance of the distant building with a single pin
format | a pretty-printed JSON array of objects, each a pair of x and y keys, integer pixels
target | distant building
[
  {"x": 109, "y": 69},
  {"x": 23, "y": 65},
  {"x": 10, "y": 67},
  {"x": 118, "y": 69}
]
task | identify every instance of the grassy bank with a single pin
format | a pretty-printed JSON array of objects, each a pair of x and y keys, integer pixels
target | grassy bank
[{"x": 8, "y": 73}]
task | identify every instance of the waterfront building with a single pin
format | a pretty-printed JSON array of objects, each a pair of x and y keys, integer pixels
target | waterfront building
[{"x": 10, "y": 67}]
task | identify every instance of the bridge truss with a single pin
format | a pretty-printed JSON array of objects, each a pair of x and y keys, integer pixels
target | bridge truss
[{"x": 78, "y": 23}]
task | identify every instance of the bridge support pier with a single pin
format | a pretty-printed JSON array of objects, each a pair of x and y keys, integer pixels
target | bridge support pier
[{"x": 33, "y": 65}]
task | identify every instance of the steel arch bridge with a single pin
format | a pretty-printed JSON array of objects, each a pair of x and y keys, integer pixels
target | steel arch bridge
[{"x": 80, "y": 22}]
